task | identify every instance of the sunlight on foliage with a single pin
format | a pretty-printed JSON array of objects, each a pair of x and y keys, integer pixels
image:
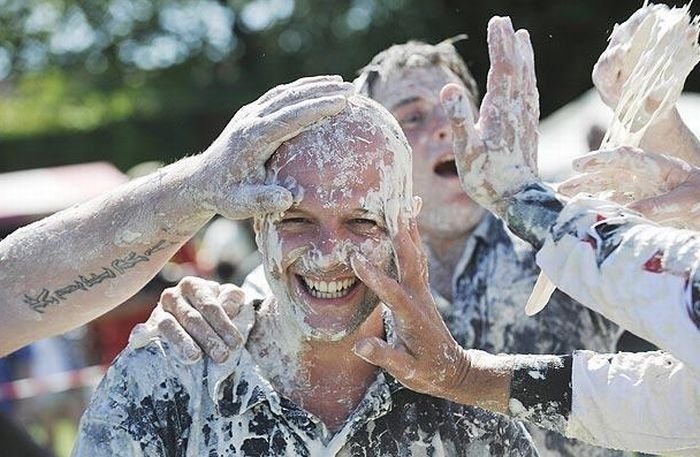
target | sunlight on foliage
[{"x": 48, "y": 102}]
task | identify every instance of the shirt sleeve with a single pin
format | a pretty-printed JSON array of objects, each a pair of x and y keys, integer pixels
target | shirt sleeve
[
  {"x": 640, "y": 275},
  {"x": 540, "y": 391},
  {"x": 646, "y": 402}
]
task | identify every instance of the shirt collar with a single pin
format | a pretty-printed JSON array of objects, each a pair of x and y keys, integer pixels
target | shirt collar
[{"x": 487, "y": 232}]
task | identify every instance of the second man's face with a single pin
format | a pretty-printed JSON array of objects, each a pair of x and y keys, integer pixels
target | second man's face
[{"x": 412, "y": 96}]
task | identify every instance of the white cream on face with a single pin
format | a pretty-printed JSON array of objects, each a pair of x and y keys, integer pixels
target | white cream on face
[
  {"x": 412, "y": 96},
  {"x": 347, "y": 160}
]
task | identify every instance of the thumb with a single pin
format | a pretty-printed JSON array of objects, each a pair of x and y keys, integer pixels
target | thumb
[
  {"x": 252, "y": 200},
  {"x": 378, "y": 352},
  {"x": 456, "y": 105}
]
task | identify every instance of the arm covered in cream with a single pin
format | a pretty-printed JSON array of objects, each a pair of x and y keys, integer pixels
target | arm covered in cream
[
  {"x": 640, "y": 275},
  {"x": 71, "y": 267},
  {"x": 644, "y": 402}
]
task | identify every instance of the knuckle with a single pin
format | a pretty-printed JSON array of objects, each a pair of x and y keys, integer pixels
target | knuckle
[
  {"x": 168, "y": 298},
  {"x": 209, "y": 308},
  {"x": 233, "y": 293},
  {"x": 189, "y": 283}
]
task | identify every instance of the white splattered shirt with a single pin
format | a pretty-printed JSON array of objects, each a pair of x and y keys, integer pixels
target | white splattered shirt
[
  {"x": 151, "y": 404},
  {"x": 646, "y": 278}
]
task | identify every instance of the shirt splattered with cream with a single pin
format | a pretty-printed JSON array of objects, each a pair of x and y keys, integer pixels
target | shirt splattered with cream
[
  {"x": 490, "y": 287},
  {"x": 152, "y": 404}
]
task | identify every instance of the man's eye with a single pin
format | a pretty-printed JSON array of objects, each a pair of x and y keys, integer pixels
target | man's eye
[
  {"x": 364, "y": 223},
  {"x": 294, "y": 221},
  {"x": 411, "y": 119}
]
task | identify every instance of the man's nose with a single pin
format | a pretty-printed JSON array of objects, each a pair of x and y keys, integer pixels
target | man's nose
[
  {"x": 442, "y": 131},
  {"x": 329, "y": 240}
]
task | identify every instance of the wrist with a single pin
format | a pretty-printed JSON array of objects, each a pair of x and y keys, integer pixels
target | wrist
[
  {"x": 486, "y": 381},
  {"x": 192, "y": 190},
  {"x": 532, "y": 212}
]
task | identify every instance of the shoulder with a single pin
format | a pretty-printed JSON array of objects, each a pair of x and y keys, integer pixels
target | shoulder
[{"x": 144, "y": 375}]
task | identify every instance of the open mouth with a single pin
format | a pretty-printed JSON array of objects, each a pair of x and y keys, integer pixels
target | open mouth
[
  {"x": 329, "y": 289},
  {"x": 447, "y": 169}
]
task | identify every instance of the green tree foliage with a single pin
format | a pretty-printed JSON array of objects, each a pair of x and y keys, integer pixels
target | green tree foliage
[{"x": 135, "y": 80}]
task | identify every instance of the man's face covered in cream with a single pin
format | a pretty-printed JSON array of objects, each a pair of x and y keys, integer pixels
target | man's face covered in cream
[{"x": 350, "y": 176}]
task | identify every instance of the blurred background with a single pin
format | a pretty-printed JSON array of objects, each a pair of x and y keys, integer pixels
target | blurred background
[{"x": 96, "y": 92}]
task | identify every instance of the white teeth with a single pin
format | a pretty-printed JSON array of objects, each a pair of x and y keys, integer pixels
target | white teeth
[{"x": 330, "y": 289}]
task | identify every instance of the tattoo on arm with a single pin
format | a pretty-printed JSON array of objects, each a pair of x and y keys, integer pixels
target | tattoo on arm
[{"x": 44, "y": 298}]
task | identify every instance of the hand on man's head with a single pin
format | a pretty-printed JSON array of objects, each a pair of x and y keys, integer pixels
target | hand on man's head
[{"x": 232, "y": 170}]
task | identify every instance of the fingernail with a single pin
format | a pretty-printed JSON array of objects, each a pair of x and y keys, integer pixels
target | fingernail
[
  {"x": 219, "y": 354},
  {"x": 363, "y": 349},
  {"x": 192, "y": 353}
]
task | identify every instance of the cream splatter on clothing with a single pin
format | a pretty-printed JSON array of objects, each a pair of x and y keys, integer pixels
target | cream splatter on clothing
[
  {"x": 490, "y": 287},
  {"x": 644, "y": 277},
  {"x": 150, "y": 404}
]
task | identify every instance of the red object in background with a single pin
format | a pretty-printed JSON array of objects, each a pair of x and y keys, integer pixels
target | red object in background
[{"x": 113, "y": 332}]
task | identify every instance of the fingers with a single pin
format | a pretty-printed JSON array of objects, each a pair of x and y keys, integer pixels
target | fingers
[
  {"x": 386, "y": 288},
  {"x": 277, "y": 90},
  {"x": 307, "y": 91},
  {"x": 466, "y": 140},
  {"x": 232, "y": 299},
  {"x": 596, "y": 182},
  {"x": 658, "y": 167},
  {"x": 530, "y": 97},
  {"x": 406, "y": 250},
  {"x": 501, "y": 39},
  {"x": 163, "y": 324},
  {"x": 678, "y": 207},
  {"x": 208, "y": 302},
  {"x": 252, "y": 200},
  {"x": 287, "y": 122},
  {"x": 412, "y": 258},
  {"x": 378, "y": 352},
  {"x": 191, "y": 320}
]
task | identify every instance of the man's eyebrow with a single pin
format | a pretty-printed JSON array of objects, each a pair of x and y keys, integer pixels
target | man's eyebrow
[{"x": 405, "y": 101}]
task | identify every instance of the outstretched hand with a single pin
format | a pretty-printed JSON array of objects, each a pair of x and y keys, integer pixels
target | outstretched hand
[
  {"x": 426, "y": 358},
  {"x": 664, "y": 189},
  {"x": 198, "y": 316},
  {"x": 232, "y": 170},
  {"x": 497, "y": 155}
]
